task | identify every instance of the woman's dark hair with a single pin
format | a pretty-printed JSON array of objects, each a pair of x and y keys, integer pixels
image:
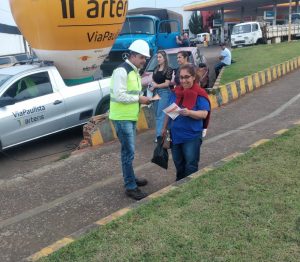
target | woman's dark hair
[
  {"x": 190, "y": 68},
  {"x": 185, "y": 54},
  {"x": 166, "y": 64}
]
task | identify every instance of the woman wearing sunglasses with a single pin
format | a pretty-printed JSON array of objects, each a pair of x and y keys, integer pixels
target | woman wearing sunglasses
[{"x": 186, "y": 128}]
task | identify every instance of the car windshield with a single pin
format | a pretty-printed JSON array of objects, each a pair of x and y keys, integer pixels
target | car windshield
[
  {"x": 295, "y": 17},
  {"x": 241, "y": 29},
  {"x": 22, "y": 57},
  {"x": 138, "y": 26},
  {"x": 3, "y": 78},
  {"x": 5, "y": 60},
  {"x": 172, "y": 59}
]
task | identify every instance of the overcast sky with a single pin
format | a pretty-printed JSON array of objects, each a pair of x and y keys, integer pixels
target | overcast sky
[{"x": 6, "y": 17}]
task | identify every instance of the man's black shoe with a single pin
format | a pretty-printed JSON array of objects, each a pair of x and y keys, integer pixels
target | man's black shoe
[
  {"x": 136, "y": 193},
  {"x": 141, "y": 181}
]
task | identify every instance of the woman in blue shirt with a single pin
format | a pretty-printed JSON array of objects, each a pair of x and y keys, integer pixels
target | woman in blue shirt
[{"x": 186, "y": 129}]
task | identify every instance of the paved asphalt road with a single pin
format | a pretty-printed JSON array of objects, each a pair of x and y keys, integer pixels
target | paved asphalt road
[{"x": 41, "y": 206}]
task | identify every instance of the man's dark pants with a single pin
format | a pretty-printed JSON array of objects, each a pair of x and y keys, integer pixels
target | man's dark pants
[{"x": 218, "y": 68}]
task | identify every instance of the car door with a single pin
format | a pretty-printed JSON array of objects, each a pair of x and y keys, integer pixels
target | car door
[
  {"x": 255, "y": 32},
  {"x": 166, "y": 34},
  {"x": 81, "y": 102},
  {"x": 37, "y": 110}
]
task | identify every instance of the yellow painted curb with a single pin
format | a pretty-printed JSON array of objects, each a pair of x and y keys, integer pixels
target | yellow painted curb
[
  {"x": 274, "y": 73},
  {"x": 297, "y": 123},
  {"x": 202, "y": 172},
  {"x": 213, "y": 101},
  {"x": 291, "y": 65},
  {"x": 50, "y": 249},
  {"x": 278, "y": 68},
  {"x": 162, "y": 192},
  {"x": 269, "y": 75},
  {"x": 259, "y": 142},
  {"x": 257, "y": 81},
  {"x": 112, "y": 216},
  {"x": 263, "y": 78},
  {"x": 96, "y": 138},
  {"x": 234, "y": 91},
  {"x": 283, "y": 69},
  {"x": 287, "y": 66},
  {"x": 250, "y": 83},
  {"x": 232, "y": 156},
  {"x": 224, "y": 94},
  {"x": 280, "y": 132},
  {"x": 242, "y": 86}
]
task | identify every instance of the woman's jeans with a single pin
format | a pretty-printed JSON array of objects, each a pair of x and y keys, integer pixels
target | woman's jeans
[
  {"x": 186, "y": 157},
  {"x": 126, "y": 132},
  {"x": 159, "y": 105}
]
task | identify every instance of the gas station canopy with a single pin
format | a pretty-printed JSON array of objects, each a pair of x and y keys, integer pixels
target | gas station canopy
[{"x": 214, "y": 5}]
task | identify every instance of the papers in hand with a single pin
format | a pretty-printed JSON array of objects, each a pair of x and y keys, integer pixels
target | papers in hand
[
  {"x": 154, "y": 98},
  {"x": 149, "y": 93},
  {"x": 172, "y": 110}
]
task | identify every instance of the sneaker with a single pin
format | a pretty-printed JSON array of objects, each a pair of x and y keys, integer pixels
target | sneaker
[
  {"x": 136, "y": 193},
  {"x": 141, "y": 181}
]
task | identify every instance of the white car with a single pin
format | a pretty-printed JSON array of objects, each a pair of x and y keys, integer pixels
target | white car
[
  {"x": 203, "y": 36},
  {"x": 35, "y": 102}
]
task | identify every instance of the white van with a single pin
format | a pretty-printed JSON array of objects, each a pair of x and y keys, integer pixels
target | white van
[
  {"x": 246, "y": 34},
  {"x": 202, "y": 36}
]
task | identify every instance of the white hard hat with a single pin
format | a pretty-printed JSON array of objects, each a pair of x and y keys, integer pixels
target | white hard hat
[{"x": 141, "y": 47}]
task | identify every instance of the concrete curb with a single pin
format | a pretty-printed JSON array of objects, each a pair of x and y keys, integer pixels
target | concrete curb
[
  {"x": 100, "y": 130},
  {"x": 102, "y": 222},
  {"x": 223, "y": 94}
]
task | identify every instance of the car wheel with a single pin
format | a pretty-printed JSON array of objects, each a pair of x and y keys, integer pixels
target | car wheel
[{"x": 103, "y": 108}]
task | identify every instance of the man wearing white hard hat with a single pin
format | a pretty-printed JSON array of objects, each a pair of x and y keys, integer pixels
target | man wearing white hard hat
[{"x": 125, "y": 100}]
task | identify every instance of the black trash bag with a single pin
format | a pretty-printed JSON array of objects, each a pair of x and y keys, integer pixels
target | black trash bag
[{"x": 160, "y": 154}]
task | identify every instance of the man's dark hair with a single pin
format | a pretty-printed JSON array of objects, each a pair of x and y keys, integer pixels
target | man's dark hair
[{"x": 132, "y": 53}]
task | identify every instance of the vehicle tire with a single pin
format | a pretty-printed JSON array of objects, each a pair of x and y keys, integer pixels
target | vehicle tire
[
  {"x": 259, "y": 41},
  {"x": 102, "y": 108}
]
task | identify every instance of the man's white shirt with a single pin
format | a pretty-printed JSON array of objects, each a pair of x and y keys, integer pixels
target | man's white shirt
[
  {"x": 119, "y": 80},
  {"x": 226, "y": 54}
]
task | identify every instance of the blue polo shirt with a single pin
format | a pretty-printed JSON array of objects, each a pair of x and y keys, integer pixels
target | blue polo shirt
[{"x": 184, "y": 128}]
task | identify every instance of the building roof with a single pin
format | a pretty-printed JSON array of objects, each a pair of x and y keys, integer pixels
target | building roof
[{"x": 207, "y": 5}]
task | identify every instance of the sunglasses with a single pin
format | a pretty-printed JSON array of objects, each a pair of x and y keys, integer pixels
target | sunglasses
[{"x": 185, "y": 77}]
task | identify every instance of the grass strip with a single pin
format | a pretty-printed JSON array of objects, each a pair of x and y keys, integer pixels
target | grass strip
[
  {"x": 253, "y": 59},
  {"x": 246, "y": 210}
]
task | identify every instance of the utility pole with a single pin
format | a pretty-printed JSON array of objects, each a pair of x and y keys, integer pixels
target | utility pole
[{"x": 290, "y": 20}]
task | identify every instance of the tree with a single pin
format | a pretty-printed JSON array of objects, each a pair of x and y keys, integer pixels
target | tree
[{"x": 196, "y": 23}]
